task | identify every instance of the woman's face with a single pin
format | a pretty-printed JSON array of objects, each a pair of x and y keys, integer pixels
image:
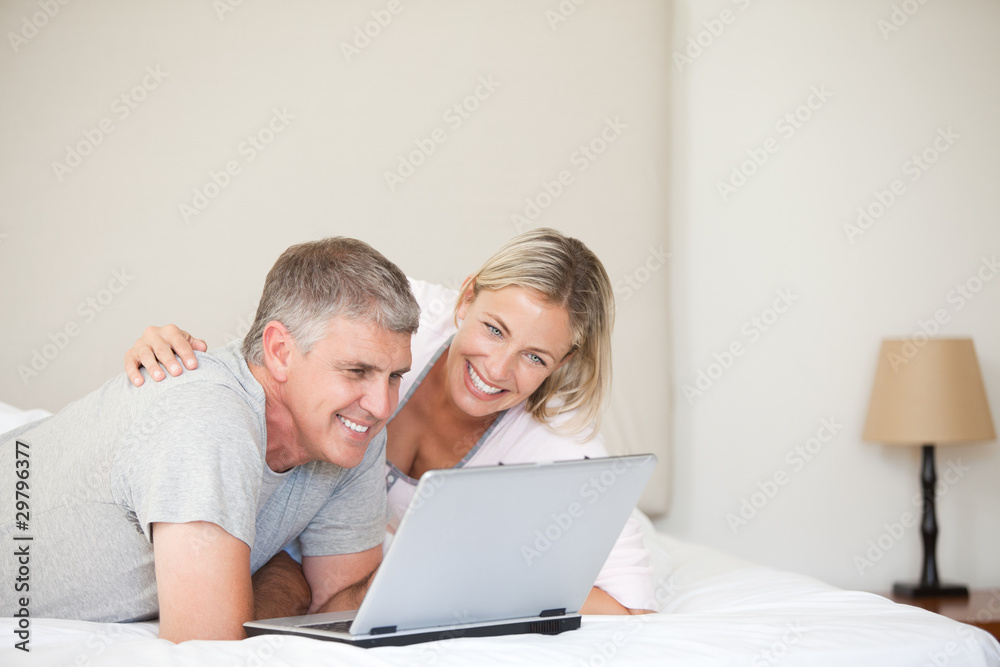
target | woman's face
[{"x": 508, "y": 342}]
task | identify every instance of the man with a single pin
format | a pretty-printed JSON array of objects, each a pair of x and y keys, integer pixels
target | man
[{"x": 164, "y": 501}]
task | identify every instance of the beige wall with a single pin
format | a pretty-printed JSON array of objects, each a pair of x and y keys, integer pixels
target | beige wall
[
  {"x": 884, "y": 98},
  {"x": 157, "y": 157},
  {"x": 886, "y": 95}
]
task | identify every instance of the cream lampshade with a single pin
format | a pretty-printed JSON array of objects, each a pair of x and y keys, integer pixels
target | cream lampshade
[{"x": 928, "y": 394}]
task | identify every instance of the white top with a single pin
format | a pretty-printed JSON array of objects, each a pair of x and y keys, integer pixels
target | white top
[{"x": 515, "y": 437}]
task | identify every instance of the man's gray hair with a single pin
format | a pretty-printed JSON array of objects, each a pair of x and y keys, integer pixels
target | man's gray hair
[{"x": 311, "y": 283}]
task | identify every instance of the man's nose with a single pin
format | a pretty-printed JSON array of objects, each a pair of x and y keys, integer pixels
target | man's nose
[{"x": 380, "y": 399}]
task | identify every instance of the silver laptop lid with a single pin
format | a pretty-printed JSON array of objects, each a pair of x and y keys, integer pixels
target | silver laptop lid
[{"x": 492, "y": 543}]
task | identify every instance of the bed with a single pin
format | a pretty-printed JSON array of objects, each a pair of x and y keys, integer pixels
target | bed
[{"x": 713, "y": 609}]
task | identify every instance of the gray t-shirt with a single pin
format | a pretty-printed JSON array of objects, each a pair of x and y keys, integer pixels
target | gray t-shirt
[{"x": 186, "y": 449}]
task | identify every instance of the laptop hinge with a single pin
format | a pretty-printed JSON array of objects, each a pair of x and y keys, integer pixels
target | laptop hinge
[
  {"x": 383, "y": 630},
  {"x": 554, "y": 612}
]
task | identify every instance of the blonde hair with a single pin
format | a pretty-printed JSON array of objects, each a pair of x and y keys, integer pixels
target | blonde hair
[
  {"x": 311, "y": 283},
  {"x": 565, "y": 273}
]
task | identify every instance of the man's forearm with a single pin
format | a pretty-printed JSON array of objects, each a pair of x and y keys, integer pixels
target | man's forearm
[{"x": 280, "y": 589}]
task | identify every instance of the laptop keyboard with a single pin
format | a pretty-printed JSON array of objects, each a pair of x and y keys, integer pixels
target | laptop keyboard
[{"x": 338, "y": 626}]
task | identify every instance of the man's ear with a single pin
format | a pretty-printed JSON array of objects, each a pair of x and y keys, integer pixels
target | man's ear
[{"x": 278, "y": 348}]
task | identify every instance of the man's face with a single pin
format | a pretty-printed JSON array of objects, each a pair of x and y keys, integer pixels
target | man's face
[{"x": 342, "y": 392}]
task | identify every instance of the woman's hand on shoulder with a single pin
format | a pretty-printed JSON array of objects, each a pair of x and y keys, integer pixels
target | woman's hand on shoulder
[{"x": 162, "y": 345}]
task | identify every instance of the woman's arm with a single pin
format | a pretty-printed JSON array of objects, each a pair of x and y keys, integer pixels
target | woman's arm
[
  {"x": 599, "y": 602},
  {"x": 162, "y": 345}
]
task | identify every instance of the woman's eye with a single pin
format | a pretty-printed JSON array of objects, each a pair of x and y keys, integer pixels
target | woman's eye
[
  {"x": 493, "y": 330},
  {"x": 535, "y": 359}
]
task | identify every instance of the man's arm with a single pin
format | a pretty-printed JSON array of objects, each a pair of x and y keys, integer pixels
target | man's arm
[
  {"x": 339, "y": 583},
  {"x": 202, "y": 581},
  {"x": 280, "y": 589}
]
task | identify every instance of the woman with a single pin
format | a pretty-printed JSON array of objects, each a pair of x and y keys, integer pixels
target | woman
[{"x": 518, "y": 371}]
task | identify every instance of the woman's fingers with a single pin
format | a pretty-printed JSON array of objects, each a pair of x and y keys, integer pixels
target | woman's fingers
[
  {"x": 183, "y": 345},
  {"x": 166, "y": 342},
  {"x": 132, "y": 365},
  {"x": 161, "y": 346}
]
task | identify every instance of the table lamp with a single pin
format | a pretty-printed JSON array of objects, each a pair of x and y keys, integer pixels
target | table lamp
[{"x": 928, "y": 394}]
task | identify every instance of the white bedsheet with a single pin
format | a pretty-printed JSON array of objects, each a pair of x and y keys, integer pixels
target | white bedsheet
[{"x": 715, "y": 610}]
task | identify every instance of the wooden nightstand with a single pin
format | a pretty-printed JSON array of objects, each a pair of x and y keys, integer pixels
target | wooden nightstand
[{"x": 981, "y": 608}]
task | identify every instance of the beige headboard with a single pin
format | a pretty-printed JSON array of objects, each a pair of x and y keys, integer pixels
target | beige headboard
[{"x": 159, "y": 156}]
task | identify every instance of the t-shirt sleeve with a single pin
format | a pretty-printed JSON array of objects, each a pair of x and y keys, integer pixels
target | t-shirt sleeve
[
  {"x": 353, "y": 518},
  {"x": 196, "y": 454}
]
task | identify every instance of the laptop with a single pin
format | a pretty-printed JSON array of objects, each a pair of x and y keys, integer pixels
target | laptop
[{"x": 488, "y": 551}]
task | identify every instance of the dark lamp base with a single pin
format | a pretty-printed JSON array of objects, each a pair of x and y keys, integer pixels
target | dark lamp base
[{"x": 917, "y": 590}]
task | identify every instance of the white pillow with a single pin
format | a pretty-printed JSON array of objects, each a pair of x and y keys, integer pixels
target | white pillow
[{"x": 11, "y": 417}]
